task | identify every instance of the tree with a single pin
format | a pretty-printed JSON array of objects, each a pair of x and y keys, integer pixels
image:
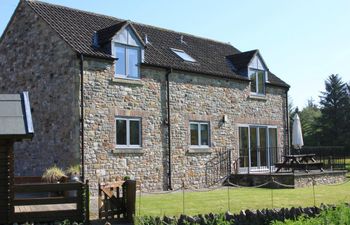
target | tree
[
  {"x": 308, "y": 118},
  {"x": 334, "y": 103}
]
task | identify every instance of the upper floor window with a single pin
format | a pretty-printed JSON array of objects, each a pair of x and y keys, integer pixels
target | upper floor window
[
  {"x": 257, "y": 73},
  {"x": 257, "y": 78},
  {"x": 127, "y": 48},
  {"x": 199, "y": 134},
  {"x": 128, "y": 61}
]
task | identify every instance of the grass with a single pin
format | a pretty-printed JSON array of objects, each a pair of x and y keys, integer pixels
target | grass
[
  {"x": 240, "y": 198},
  {"x": 347, "y": 164}
]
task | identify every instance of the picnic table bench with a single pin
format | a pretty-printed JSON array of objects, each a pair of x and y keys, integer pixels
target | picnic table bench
[{"x": 299, "y": 162}]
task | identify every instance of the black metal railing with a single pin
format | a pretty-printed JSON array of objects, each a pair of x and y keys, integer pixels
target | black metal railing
[
  {"x": 260, "y": 159},
  {"x": 264, "y": 159},
  {"x": 219, "y": 167},
  {"x": 332, "y": 157}
]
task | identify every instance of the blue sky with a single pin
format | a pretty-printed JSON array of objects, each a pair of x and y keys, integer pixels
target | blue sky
[{"x": 302, "y": 42}]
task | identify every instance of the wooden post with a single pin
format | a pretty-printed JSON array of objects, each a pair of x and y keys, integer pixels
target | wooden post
[
  {"x": 99, "y": 200},
  {"x": 130, "y": 199},
  {"x": 6, "y": 181},
  {"x": 87, "y": 202}
]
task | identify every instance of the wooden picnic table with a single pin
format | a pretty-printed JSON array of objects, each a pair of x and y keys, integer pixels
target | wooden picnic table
[{"x": 300, "y": 161}]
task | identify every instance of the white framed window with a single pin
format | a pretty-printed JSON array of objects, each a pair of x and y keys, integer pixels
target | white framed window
[
  {"x": 128, "y": 132},
  {"x": 128, "y": 61},
  {"x": 257, "y": 85},
  {"x": 257, "y": 73},
  {"x": 199, "y": 134},
  {"x": 128, "y": 50},
  {"x": 183, "y": 55}
]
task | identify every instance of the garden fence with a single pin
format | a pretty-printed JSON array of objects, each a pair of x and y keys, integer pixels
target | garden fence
[
  {"x": 227, "y": 196},
  {"x": 332, "y": 157}
]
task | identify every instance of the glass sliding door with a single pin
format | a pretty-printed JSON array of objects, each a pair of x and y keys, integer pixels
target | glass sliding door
[
  {"x": 253, "y": 147},
  {"x": 243, "y": 147},
  {"x": 257, "y": 148},
  {"x": 273, "y": 145},
  {"x": 263, "y": 153}
]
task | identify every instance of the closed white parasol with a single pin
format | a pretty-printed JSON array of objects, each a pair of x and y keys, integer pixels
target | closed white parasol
[{"x": 297, "y": 138}]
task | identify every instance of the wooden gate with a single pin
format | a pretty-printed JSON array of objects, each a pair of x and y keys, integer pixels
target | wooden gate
[{"x": 116, "y": 201}]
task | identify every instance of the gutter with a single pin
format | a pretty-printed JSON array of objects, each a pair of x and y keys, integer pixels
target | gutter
[
  {"x": 215, "y": 75},
  {"x": 168, "y": 72},
  {"x": 287, "y": 135},
  {"x": 82, "y": 116}
]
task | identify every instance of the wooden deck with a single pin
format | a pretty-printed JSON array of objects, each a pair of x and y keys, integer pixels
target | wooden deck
[{"x": 45, "y": 208}]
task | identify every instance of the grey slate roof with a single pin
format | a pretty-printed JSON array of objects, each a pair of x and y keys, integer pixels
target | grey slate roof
[
  {"x": 241, "y": 60},
  {"x": 15, "y": 117},
  {"x": 77, "y": 28}
]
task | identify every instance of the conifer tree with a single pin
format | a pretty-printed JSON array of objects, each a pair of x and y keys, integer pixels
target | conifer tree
[{"x": 334, "y": 103}]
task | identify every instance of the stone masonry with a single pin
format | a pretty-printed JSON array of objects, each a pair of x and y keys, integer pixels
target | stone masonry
[
  {"x": 34, "y": 58},
  {"x": 192, "y": 97}
]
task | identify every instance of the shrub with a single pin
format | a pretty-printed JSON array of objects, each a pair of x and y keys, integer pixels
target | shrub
[
  {"x": 73, "y": 170},
  {"x": 54, "y": 175},
  {"x": 338, "y": 215}
]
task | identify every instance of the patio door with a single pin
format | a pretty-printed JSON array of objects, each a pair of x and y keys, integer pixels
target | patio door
[{"x": 257, "y": 147}]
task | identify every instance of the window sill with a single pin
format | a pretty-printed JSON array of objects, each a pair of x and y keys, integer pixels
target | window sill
[
  {"x": 119, "y": 80},
  {"x": 199, "y": 150},
  {"x": 128, "y": 151},
  {"x": 257, "y": 97}
]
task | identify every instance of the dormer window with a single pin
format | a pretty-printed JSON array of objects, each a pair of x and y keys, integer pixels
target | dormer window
[
  {"x": 127, "y": 48},
  {"x": 183, "y": 55},
  {"x": 257, "y": 85},
  {"x": 128, "y": 61},
  {"x": 257, "y": 73}
]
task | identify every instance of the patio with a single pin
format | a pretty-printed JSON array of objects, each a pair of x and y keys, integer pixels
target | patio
[{"x": 293, "y": 168}]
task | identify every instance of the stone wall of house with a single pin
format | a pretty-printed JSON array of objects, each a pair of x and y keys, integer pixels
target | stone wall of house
[
  {"x": 192, "y": 97},
  {"x": 106, "y": 98},
  {"x": 202, "y": 98},
  {"x": 34, "y": 58}
]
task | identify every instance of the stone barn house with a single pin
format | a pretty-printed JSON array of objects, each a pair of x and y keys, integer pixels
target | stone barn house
[{"x": 129, "y": 99}]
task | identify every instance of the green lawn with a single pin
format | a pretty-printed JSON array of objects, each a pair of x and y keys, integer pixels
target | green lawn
[
  {"x": 347, "y": 164},
  {"x": 240, "y": 198}
]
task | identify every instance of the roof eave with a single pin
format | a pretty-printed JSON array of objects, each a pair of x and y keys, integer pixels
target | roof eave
[
  {"x": 109, "y": 58},
  {"x": 17, "y": 137},
  {"x": 216, "y": 75},
  {"x": 286, "y": 86}
]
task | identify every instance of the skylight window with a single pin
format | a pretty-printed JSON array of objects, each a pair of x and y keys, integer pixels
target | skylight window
[{"x": 183, "y": 55}]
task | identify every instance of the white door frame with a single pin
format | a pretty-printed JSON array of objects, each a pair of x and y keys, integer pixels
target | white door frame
[{"x": 258, "y": 168}]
